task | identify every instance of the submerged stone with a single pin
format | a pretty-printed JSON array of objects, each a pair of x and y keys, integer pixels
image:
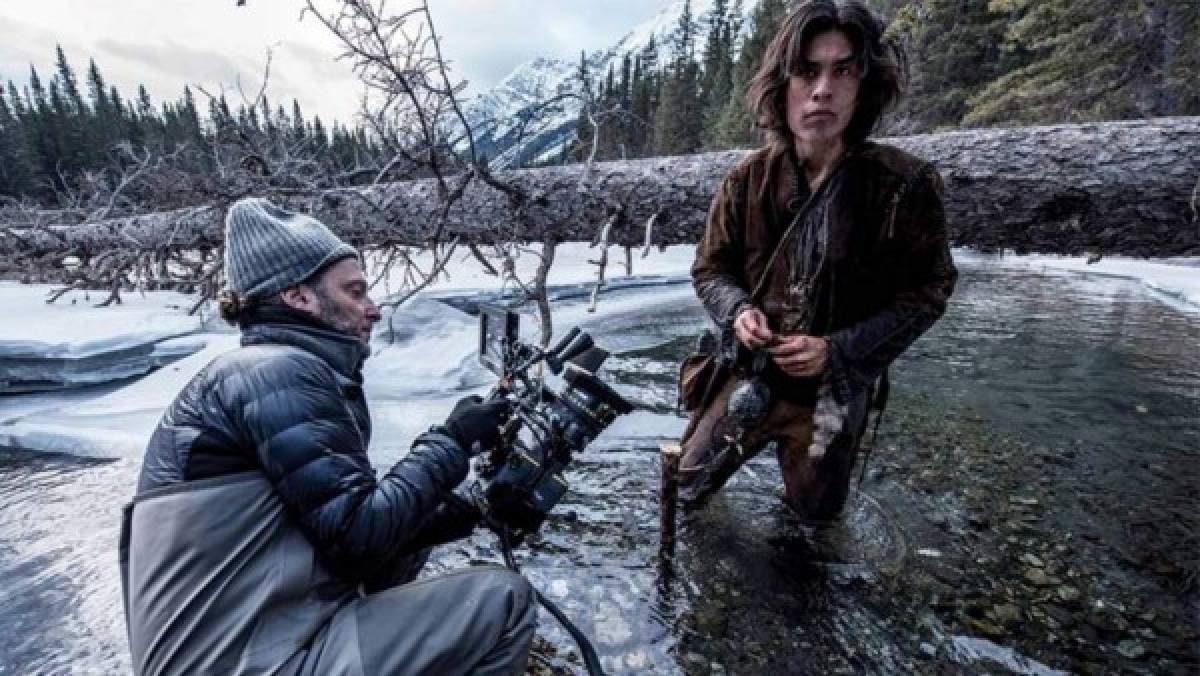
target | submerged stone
[
  {"x": 1036, "y": 576},
  {"x": 1132, "y": 649}
]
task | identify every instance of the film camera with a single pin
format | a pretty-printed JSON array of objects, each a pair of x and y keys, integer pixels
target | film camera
[{"x": 521, "y": 480}]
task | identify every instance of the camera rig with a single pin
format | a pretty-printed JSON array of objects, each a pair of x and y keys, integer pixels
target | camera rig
[{"x": 521, "y": 480}]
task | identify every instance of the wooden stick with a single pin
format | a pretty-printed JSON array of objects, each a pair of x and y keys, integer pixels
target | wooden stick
[{"x": 668, "y": 494}]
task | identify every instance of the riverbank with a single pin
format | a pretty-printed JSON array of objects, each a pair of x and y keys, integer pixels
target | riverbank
[{"x": 113, "y": 420}]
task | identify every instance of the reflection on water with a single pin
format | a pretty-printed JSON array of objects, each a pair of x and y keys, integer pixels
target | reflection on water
[{"x": 1031, "y": 507}]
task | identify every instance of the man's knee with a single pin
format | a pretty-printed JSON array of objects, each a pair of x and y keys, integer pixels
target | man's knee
[
  {"x": 504, "y": 601},
  {"x": 508, "y": 588}
]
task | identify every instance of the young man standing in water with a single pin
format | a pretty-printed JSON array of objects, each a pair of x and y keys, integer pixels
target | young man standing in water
[
  {"x": 823, "y": 250},
  {"x": 260, "y": 539}
]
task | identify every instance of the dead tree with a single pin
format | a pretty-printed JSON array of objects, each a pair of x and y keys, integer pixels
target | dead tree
[
  {"x": 1118, "y": 187},
  {"x": 414, "y": 108}
]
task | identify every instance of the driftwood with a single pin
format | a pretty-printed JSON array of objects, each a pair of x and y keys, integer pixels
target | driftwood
[
  {"x": 668, "y": 497},
  {"x": 1119, "y": 187}
]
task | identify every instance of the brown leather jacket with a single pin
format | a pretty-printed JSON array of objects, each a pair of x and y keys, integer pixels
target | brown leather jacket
[{"x": 888, "y": 268}]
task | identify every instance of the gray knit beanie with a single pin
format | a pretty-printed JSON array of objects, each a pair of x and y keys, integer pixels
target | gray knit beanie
[{"x": 268, "y": 249}]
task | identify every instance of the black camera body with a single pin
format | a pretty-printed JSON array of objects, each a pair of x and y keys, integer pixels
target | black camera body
[{"x": 521, "y": 480}]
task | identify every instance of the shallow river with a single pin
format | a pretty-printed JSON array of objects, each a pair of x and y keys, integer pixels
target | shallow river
[{"x": 1031, "y": 507}]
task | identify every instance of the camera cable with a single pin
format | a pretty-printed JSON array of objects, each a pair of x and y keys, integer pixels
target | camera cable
[{"x": 590, "y": 660}]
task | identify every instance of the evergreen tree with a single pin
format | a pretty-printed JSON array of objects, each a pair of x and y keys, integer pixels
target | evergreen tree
[
  {"x": 1180, "y": 47},
  {"x": 724, "y": 24},
  {"x": 645, "y": 91},
  {"x": 679, "y": 120},
  {"x": 734, "y": 126},
  {"x": 957, "y": 48},
  {"x": 584, "y": 129},
  {"x": 104, "y": 122},
  {"x": 1094, "y": 60},
  {"x": 299, "y": 132},
  {"x": 317, "y": 135},
  {"x": 16, "y": 170},
  {"x": 67, "y": 83}
]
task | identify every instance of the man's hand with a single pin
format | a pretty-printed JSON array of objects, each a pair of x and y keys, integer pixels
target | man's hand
[
  {"x": 751, "y": 328},
  {"x": 475, "y": 421},
  {"x": 800, "y": 356}
]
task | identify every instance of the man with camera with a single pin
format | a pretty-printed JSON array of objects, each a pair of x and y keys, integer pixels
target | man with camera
[
  {"x": 825, "y": 256},
  {"x": 260, "y": 538}
]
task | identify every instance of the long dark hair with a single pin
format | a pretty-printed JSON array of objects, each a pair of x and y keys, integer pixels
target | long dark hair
[{"x": 883, "y": 65}]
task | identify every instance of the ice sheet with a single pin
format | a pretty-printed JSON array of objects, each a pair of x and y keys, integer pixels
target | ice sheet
[
  {"x": 72, "y": 328},
  {"x": 1176, "y": 280}
]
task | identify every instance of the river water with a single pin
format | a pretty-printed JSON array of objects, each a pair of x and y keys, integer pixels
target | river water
[{"x": 1031, "y": 507}]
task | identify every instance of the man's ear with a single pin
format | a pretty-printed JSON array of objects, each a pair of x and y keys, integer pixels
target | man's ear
[{"x": 299, "y": 297}]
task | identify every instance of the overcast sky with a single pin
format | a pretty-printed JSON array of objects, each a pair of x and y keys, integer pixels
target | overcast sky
[{"x": 166, "y": 44}]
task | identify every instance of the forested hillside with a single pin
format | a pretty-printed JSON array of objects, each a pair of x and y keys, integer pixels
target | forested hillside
[{"x": 973, "y": 63}]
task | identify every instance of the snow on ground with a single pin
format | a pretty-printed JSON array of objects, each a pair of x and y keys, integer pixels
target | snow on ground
[
  {"x": 71, "y": 327},
  {"x": 429, "y": 364},
  {"x": 71, "y": 343},
  {"x": 112, "y": 425},
  {"x": 413, "y": 379}
]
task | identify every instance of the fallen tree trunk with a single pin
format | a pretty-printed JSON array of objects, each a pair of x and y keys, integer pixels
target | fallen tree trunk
[{"x": 1119, "y": 187}]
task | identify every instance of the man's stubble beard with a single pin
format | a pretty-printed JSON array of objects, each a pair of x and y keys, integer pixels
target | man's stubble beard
[{"x": 335, "y": 316}]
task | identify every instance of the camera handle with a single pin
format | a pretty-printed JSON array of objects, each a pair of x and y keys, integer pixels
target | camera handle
[{"x": 590, "y": 660}]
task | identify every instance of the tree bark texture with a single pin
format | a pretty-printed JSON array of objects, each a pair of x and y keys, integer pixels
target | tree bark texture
[{"x": 1118, "y": 187}]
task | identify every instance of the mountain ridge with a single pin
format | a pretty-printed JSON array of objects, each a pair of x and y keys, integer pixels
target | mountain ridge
[{"x": 529, "y": 117}]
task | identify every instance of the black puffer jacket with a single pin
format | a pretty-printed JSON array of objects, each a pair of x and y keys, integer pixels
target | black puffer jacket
[{"x": 289, "y": 402}]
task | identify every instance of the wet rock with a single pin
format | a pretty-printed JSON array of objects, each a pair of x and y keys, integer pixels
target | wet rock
[
  {"x": 1017, "y": 526},
  {"x": 558, "y": 589},
  {"x": 711, "y": 620},
  {"x": 978, "y": 521},
  {"x": 1132, "y": 649},
  {"x": 637, "y": 660},
  {"x": 928, "y": 650},
  {"x": 1058, "y": 614},
  {"x": 1036, "y": 576},
  {"x": 1067, "y": 594},
  {"x": 1006, "y": 614},
  {"x": 947, "y": 574},
  {"x": 1107, "y": 619},
  {"x": 1032, "y": 560},
  {"x": 929, "y": 623},
  {"x": 986, "y": 628},
  {"x": 611, "y": 626}
]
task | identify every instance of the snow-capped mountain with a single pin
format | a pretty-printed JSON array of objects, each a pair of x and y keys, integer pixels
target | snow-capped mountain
[{"x": 530, "y": 116}]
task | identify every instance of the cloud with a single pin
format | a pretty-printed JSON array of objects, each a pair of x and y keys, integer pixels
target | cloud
[
  {"x": 166, "y": 45},
  {"x": 181, "y": 63},
  {"x": 298, "y": 71},
  {"x": 25, "y": 44}
]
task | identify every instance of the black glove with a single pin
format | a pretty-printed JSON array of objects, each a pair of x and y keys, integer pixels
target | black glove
[{"x": 473, "y": 420}]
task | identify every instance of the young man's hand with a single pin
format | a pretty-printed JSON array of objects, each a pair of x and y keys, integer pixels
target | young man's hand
[
  {"x": 800, "y": 356},
  {"x": 752, "y": 329}
]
